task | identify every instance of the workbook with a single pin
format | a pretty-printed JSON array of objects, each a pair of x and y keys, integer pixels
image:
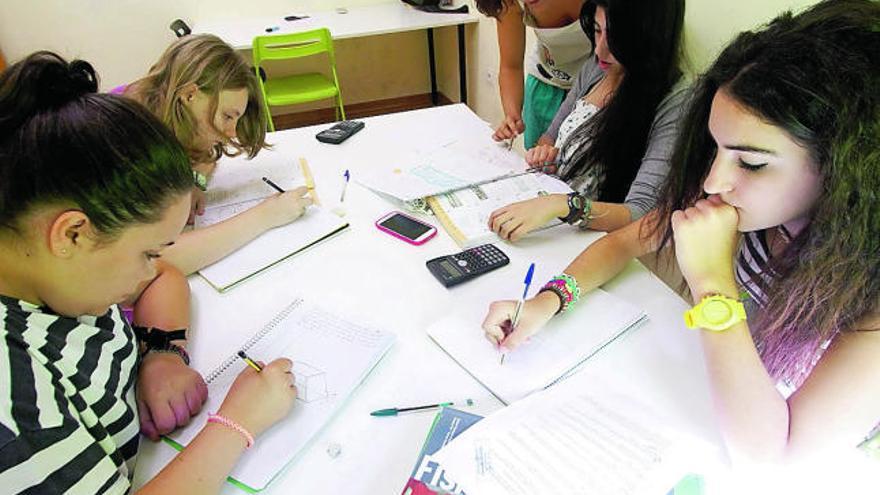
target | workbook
[
  {"x": 237, "y": 187},
  {"x": 428, "y": 477},
  {"x": 465, "y": 213},
  {"x": 331, "y": 357},
  {"x": 549, "y": 356},
  {"x": 576, "y": 438},
  {"x": 449, "y": 166}
]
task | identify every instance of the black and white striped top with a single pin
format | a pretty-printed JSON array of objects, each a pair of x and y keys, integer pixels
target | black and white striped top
[{"x": 68, "y": 417}]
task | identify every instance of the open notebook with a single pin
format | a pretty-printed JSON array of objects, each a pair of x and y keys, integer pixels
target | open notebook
[
  {"x": 465, "y": 213},
  {"x": 548, "y": 356},
  {"x": 331, "y": 356},
  {"x": 237, "y": 187}
]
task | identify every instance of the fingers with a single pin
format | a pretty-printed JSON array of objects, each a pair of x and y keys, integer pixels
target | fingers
[
  {"x": 519, "y": 335},
  {"x": 298, "y": 192},
  {"x": 163, "y": 417},
  {"x": 283, "y": 365},
  {"x": 148, "y": 428},
  {"x": 493, "y": 323}
]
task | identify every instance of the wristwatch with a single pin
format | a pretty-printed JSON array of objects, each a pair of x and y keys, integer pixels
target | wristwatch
[
  {"x": 716, "y": 313},
  {"x": 159, "y": 340},
  {"x": 200, "y": 180}
]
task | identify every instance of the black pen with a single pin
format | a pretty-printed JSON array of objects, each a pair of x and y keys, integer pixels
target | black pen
[{"x": 274, "y": 185}]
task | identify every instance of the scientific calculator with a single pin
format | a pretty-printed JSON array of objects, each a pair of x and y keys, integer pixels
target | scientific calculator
[
  {"x": 340, "y": 131},
  {"x": 456, "y": 268}
]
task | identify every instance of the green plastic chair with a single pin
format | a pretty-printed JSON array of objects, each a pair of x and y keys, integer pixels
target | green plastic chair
[{"x": 299, "y": 88}]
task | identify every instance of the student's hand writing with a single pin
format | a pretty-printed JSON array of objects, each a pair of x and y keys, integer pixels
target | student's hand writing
[
  {"x": 542, "y": 155},
  {"x": 511, "y": 127},
  {"x": 257, "y": 400},
  {"x": 514, "y": 221},
  {"x": 285, "y": 207},
  {"x": 705, "y": 243},
  {"x": 169, "y": 393},
  {"x": 535, "y": 313}
]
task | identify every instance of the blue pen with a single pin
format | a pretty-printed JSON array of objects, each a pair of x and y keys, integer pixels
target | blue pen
[
  {"x": 344, "y": 186},
  {"x": 519, "y": 304}
]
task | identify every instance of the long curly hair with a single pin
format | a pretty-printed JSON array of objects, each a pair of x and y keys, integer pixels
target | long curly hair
[
  {"x": 212, "y": 65},
  {"x": 816, "y": 76}
]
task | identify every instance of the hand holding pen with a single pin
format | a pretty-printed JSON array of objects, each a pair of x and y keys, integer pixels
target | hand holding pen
[
  {"x": 517, "y": 312},
  {"x": 258, "y": 399}
]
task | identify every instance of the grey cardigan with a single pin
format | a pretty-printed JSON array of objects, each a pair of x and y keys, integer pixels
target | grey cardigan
[{"x": 645, "y": 189}]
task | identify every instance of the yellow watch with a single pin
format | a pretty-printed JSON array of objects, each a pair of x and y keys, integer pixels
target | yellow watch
[{"x": 716, "y": 313}]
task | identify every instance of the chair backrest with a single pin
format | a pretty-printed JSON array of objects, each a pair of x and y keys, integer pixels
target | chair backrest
[{"x": 293, "y": 45}]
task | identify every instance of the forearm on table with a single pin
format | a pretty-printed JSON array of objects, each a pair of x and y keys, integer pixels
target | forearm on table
[
  {"x": 608, "y": 256},
  {"x": 608, "y": 217},
  {"x": 203, "y": 466},
  {"x": 201, "y": 247},
  {"x": 164, "y": 302}
]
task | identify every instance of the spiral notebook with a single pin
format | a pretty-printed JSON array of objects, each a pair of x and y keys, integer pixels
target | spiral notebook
[{"x": 331, "y": 356}]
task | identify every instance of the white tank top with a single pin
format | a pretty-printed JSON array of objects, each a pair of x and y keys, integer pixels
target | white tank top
[{"x": 558, "y": 54}]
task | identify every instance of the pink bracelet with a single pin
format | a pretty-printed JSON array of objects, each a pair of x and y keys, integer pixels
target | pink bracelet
[{"x": 223, "y": 420}]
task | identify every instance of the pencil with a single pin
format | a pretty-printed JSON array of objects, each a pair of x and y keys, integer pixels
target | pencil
[
  {"x": 310, "y": 181},
  {"x": 253, "y": 364},
  {"x": 272, "y": 184}
]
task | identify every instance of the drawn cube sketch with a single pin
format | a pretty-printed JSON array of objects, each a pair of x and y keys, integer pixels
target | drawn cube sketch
[{"x": 311, "y": 382}]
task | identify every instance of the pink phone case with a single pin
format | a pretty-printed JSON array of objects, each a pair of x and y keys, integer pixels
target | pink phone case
[{"x": 428, "y": 235}]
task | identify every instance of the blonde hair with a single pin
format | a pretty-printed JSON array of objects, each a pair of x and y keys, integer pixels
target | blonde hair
[{"x": 213, "y": 66}]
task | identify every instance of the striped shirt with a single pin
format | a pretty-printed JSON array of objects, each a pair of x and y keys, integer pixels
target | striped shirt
[{"x": 68, "y": 417}]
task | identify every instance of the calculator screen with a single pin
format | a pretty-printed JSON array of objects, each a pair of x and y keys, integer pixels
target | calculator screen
[{"x": 449, "y": 268}]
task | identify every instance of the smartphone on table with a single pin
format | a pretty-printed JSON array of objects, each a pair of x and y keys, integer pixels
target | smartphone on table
[{"x": 406, "y": 228}]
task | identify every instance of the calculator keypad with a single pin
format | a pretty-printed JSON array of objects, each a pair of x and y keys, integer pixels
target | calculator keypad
[{"x": 471, "y": 263}]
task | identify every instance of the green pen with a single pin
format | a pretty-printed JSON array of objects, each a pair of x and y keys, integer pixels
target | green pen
[{"x": 395, "y": 411}]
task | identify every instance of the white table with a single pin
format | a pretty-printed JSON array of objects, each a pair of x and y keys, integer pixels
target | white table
[
  {"x": 367, "y": 272},
  {"x": 370, "y": 20}
]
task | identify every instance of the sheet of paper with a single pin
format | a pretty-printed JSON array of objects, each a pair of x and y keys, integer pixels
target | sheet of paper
[
  {"x": 567, "y": 341},
  {"x": 468, "y": 210},
  {"x": 421, "y": 173},
  {"x": 238, "y": 180},
  {"x": 575, "y": 441},
  {"x": 331, "y": 357}
]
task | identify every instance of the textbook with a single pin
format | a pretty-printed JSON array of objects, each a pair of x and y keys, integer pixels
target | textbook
[
  {"x": 331, "y": 356},
  {"x": 428, "y": 477},
  {"x": 465, "y": 213},
  {"x": 237, "y": 187},
  {"x": 548, "y": 357},
  {"x": 449, "y": 166},
  {"x": 577, "y": 438}
]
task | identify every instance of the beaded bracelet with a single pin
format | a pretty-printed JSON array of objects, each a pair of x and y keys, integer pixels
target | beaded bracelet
[
  {"x": 223, "y": 420},
  {"x": 566, "y": 288}
]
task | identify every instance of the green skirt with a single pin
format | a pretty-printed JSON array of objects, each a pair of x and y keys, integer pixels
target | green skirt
[{"x": 540, "y": 104}]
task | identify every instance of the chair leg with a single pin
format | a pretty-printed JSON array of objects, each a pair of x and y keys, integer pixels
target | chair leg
[{"x": 341, "y": 109}]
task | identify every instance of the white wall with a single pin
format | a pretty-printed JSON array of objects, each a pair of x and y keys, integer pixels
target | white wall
[{"x": 123, "y": 37}]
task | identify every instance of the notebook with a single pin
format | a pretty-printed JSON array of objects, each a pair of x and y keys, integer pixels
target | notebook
[
  {"x": 576, "y": 438},
  {"x": 548, "y": 356},
  {"x": 237, "y": 187},
  {"x": 465, "y": 213},
  {"x": 331, "y": 356}
]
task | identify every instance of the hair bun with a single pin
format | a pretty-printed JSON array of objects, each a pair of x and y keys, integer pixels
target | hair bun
[{"x": 57, "y": 82}]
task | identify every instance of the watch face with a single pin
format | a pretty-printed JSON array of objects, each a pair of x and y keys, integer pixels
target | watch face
[{"x": 717, "y": 312}]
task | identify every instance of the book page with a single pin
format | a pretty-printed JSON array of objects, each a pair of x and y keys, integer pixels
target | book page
[
  {"x": 547, "y": 356},
  {"x": 574, "y": 441},
  {"x": 454, "y": 165},
  {"x": 465, "y": 213},
  {"x": 331, "y": 357},
  {"x": 239, "y": 181}
]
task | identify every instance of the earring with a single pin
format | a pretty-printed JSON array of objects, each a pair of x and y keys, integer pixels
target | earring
[{"x": 63, "y": 250}]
